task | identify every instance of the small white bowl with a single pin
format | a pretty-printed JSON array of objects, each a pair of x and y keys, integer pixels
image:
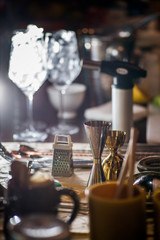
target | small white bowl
[{"x": 72, "y": 99}]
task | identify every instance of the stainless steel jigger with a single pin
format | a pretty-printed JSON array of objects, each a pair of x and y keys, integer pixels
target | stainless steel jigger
[{"x": 97, "y": 134}]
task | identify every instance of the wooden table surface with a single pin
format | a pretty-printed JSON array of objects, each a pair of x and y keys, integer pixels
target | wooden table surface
[{"x": 78, "y": 181}]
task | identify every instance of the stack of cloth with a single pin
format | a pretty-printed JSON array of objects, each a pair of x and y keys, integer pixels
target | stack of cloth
[{"x": 104, "y": 112}]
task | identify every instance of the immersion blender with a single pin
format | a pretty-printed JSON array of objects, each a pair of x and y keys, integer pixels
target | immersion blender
[{"x": 124, "y": 75}]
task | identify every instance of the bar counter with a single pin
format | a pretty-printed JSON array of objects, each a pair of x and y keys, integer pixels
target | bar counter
[{"x": 78, "y": 181}]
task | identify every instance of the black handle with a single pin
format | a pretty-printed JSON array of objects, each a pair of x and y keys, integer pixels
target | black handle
[
  {"x": 115, "y": 67},
  {"x": 72, "y": 194},
  {"x": 124, "y": 73}
]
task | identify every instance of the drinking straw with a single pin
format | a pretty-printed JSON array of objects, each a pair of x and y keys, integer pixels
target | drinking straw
[
  {"x": 128, "y": 165},
  {"x": 134, "y": 135},
  {"x": 123, "y": 171}
]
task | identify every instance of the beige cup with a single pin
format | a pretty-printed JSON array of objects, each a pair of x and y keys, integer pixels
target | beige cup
[
  {"x": 156, "y": 206},
  {"x": 113, "y": 219}
]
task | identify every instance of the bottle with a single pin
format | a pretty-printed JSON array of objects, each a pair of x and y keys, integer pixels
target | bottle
[{"x": 124, "y": 74}]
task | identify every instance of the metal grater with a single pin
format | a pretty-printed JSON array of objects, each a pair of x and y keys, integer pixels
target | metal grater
[{"x": 62, "y": 156}]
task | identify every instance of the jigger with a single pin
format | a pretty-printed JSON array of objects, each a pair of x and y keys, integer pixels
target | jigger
[
  {"x": 97, "y": 133},
  {"x": 113, "y": 162}
]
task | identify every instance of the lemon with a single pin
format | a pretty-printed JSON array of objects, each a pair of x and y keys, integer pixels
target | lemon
[
  {"x": 156, "y": 100},
  {"x": 140, "y": 96}
]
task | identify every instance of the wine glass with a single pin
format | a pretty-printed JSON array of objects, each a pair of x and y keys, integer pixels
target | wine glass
[
  {"x": 64, "y": 66},
  {"x": 28, "y": 70}
]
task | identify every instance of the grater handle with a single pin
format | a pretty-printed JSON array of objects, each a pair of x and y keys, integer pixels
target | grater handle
[{"x": 68, "y": 137}]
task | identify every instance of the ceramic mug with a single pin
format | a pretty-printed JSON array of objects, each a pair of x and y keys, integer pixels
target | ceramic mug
[
  {"x": 113, "y": 219},
  {"x": 38, "y": 199}
]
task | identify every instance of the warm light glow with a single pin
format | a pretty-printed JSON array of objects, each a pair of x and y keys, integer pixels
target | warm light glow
[
  {"x": 121, "y": 48},
  {"x": 84, "y": 30},
  {"x": 91, "y": 31}
]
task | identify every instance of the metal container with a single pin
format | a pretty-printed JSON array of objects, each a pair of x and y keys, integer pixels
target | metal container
[{"x": 62, "y": 156}]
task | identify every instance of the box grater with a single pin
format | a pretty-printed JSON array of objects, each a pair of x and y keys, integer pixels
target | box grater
[{"x": 62, "y": 156}]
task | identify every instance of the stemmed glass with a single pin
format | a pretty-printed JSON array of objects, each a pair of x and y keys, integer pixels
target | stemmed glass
[
  {"x": 64, "y": 66},
  {"x": 28, "y": 70}
]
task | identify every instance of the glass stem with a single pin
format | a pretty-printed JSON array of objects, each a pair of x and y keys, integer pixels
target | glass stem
[
  {"x": 30, "y": 112},
  {"x": 61, "y": 109}
]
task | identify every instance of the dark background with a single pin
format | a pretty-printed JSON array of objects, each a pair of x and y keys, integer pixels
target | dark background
[{"x": 70, "y": 13}]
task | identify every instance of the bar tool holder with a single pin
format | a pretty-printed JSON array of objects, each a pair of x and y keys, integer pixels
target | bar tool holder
[
  {"x": 113, "y": 162},
  {"x": 97, "y": 133}
]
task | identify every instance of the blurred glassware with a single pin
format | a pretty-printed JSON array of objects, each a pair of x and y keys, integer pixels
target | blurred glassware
[
  {"x": 64, "y": 66},
  {"x": 27, "y": 69},
  {"x": 72, "y": 99},
  {"x": 111, "y": 43}
]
